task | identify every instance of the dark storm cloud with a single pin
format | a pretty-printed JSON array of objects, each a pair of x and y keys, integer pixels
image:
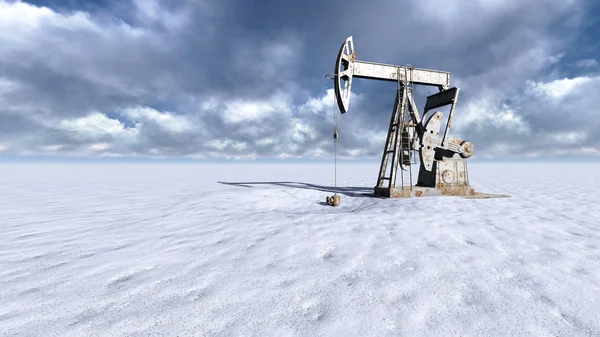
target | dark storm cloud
[{"x": 156, "y": 66}]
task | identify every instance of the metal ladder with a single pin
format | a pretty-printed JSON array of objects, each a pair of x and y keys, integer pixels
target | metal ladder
[
  {"x": 398, "y": 142},
  {"x": 394, "y": 144}
]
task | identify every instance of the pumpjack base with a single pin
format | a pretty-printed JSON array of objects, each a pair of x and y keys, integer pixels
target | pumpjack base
[{"x": 467, "y": 192}]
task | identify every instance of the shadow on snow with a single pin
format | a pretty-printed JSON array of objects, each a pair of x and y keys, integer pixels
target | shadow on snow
[{"x": 347, "y": 191}]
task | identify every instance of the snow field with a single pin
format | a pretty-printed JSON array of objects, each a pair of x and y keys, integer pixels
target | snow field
[{"x": 165, "y": 249}]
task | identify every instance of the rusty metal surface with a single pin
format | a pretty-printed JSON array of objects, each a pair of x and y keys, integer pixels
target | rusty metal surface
[
  {"x": 451, "y": 173},
  {"x": 333, "y": 200},
  {"x": 466, "y": 149},
  {"x": 430, "y": 140},
  {"x": 466, "y": 192},
  {"x": 419, "y": 191}
]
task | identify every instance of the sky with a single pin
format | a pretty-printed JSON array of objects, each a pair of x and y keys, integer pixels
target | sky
[{"x": 245, "y": 79}]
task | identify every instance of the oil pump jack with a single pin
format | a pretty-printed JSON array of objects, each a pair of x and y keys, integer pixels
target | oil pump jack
[{"x": 443, "y": 165}]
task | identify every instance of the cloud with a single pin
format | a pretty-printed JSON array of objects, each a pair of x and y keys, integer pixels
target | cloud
[
  {"x": 94, "y": 126},
  {"x": 248, "y": 110},
  {"x": 549, "y": 118},
  {"x": 587, "y": 63},
  {"x": 168, "y": 121},
  {"x": 559, "y": 89},
  {"x": 208, "y": 79}
]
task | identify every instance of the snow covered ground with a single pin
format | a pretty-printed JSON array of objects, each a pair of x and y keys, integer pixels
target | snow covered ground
[{"x": 165, "y": 249}]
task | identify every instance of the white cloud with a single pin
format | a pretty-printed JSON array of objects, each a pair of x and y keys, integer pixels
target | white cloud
[
  {"x": 326, "y": 104},
  {"x": 52, "y": 148},
  {"x": 587, "y": 63},
  {"x": 590, "y": 150},
  {"x": 572, "y": 137},
  {"x": 19, "y": 20},
  {"x": 241, "y": 110},
  {"x": 210, "y": 103},
  {"x": 223, "y": 144},
  {"x": 167, "y": 120},
  {"x": 99, "y": 147},
  {"x": 153, "y": 12},
  {"x": 487, "y": 111},
  {"x": 318, "y": 153},
  {"x": 96, "y": 125},
  {"x": 218, "y": 144},
  {"x": 318, "y": 105},
  {"x": 266, "y": 141},
  {"x": 250, "y": 110},
  {"x": 8, "y": 85},
  {"x": 300, "y": 132},
  {"x": 110, "y": 55},
  {"x": 558, "y": 89},
  {"x": 25, "y": 27},
  {"x": 546, "y": 117}
]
